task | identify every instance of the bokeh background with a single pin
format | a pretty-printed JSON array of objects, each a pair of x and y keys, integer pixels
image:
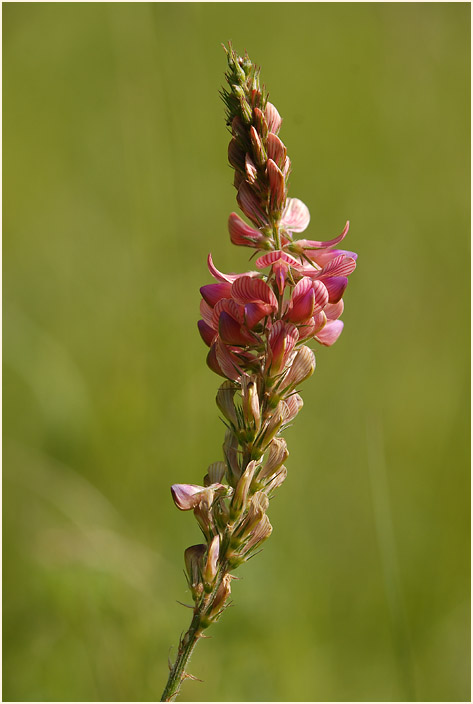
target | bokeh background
[{"x": 116, "y": 186}]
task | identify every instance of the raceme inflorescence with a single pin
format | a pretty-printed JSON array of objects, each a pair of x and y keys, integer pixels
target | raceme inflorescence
[{"x": 257, "y": 326}]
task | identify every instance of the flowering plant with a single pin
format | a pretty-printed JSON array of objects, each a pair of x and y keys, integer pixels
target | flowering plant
[{"x": 256, "y": 325}]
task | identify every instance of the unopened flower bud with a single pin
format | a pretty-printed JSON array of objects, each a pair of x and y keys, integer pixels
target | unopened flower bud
[
  {"x": 261, "y": 124},
  {"x": 277, "y": 186},
  {"x": 215, "y": 473},
  {"x": 258, "y": 149},
  {"x": 274, "y": 423},
  {"x": 277, "y": 480},
  {"x": 258, "y": 506},
  {"x": 278, "y": 453},
  {"x": 242, "y": 488},
  {"x": 273, "y": 118},
  {"x": 223, "y": 592},
  {"x": 230, "y": 451},
  {"x": 211, "y": 565},
  {"x": 302, "y": 367},
  {"x": 194, "y": 561},
  {"x": 250, "y": 402},
  {"x": 276, "y": 150},
  {"x": 225, "y": 402},
  {"x": 294, "y": 404},
  {"x": 261, "y": 532}
]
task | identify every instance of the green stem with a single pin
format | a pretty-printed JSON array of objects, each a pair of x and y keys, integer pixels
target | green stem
[{"x": 178, "y": 673}]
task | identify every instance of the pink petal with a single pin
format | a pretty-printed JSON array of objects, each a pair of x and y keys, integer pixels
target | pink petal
[
  {"x": 271, "y": 257},
  {"x": 296, "y": 215},
  {"x": 206, "y": 332},
  {"x": 249, "y": 290},
  {"x": 281, "y": 341},
  {"x": 321, "y": 296},
  {"x": 227, "y": 362},
  {"x": 336, "y": 286},
  {"x": 316, "y": 244},
  {"x": 232, "y": 333},
  {"x": 334, "y": 310},
  {"x": 250, "y": 204},
  {"x": 212, "y": 293},
  {"x": 301, "y": 305},
  {"x": 276, "y": 150},
  {"x": 340, "y": 266},
  {"x": 250, "y": 169},
  {"x": 277, "y": 185},
  {"x": 242, "y": 234},
  {"x": 229, "y": 306},
  {"x": 273, "y": 118},
  {"x": 324, "y": 256},
  {"x": 186, "y": 496},
  {"x": 207, "y": 313},
  {"x": 255, "y": 312},
  {"x": 330, "y": 333},
  {"x": 218, "y": 274}
]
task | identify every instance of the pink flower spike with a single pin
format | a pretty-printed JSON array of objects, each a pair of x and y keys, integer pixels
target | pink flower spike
[
  {"x": 186, "y": 496},
  {"x": 251, "y": 290},
  {"x": 206, "y": 332},
  {"x": 242, "y": 234},
  {"x": 296, "y": 215},
  {"x": 282, "y": 339},
  {"x": 273, "y": 118},
  {"x": 330, "y": 333},
  {"x": 212, "y": 293},
  {"x": 316, "y": 244}
]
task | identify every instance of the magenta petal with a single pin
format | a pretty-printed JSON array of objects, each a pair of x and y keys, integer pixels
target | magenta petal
[
  {"x": 250, "y": 290},
  {"x": 212, "y": 361},
  {"x": 212, "y": 293},
  {"x": 186, "y": 496},
  {"x": 336, "y": 286},
  {"x": 296, "y": 215},
  {"x": 231, "y": 332},
  {"x": 301, "y": 305},
  {"x": 206, "y": 332},
  {"x": 255, "y": 312},
  {"x": 330, "y": 333}
]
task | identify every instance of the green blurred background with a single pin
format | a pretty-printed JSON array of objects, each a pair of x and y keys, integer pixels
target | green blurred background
[{"x": 116, "y": 186}]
